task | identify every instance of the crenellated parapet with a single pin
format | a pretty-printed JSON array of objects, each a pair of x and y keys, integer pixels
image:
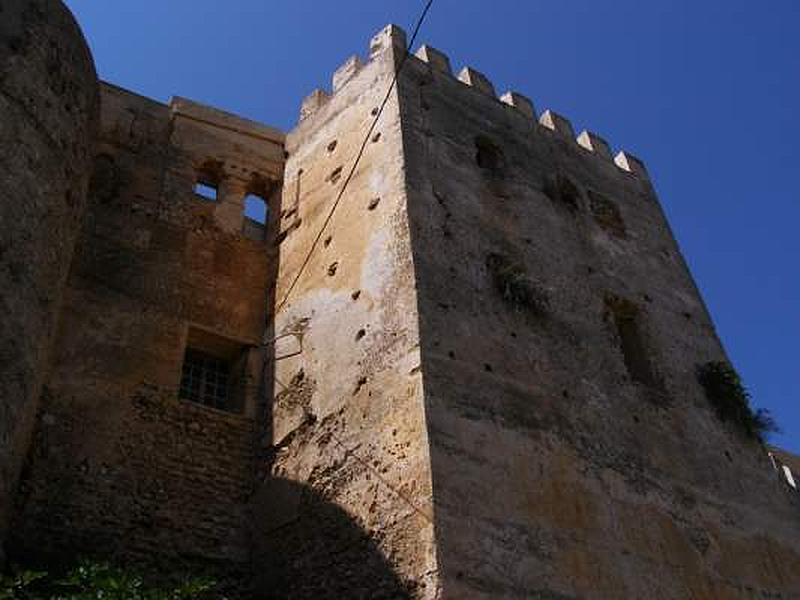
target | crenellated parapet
[
  {"x": 390, "y": 37},
  {"x": 549, "y": 119},
  {"x": 394, "y": 38}
]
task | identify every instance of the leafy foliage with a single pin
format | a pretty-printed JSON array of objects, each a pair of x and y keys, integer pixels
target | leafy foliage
[
  {"x": 516, "y": 287},
  {"x": 731, "y": 400},
  {"x": 92, "y": 581}
]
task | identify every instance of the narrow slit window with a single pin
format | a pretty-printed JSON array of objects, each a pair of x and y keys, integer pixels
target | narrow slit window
[
  {"x": 632, "y": 342},
  {"x": 488, "y": 156}
]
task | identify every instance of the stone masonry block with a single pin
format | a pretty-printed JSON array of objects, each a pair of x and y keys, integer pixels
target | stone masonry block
[
  {"x": 391, "y": 36},
  {"x": 557, "y": 123},
  {"x": 312, "y": 103},
  {"x": 477, "y": 80},
  {"x": 436, "y": 59},
  {"x": 594, "y": 143},
  {"x": 522, "y": 103},
  {"x": 628, "y": 162}
]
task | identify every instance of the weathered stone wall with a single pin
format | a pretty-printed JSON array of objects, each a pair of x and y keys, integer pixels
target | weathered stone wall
[
  {"x": 573, "y": 452},
  {"x": 48, "y": 110},
  {"x": 348, "y": 422},
  {"x": 480, "y": 376},
  {"x": 120, "y": 467}
]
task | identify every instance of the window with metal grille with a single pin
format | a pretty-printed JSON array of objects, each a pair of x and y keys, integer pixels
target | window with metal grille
[{"x": 205, "y": 379}]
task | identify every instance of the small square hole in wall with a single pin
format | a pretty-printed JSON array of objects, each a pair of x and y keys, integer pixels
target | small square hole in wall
[{"x": 207, "y": 191}]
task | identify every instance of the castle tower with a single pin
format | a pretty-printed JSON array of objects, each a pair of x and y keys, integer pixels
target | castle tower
[
  {"x": 461, "y": 365},
  {"x": 489, "y": 359},
  {"x": 48, "y": 109}
]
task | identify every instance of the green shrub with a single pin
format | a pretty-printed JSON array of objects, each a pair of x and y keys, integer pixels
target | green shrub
[
  {"x": 91, "y": 581},
  {"x": 731, "y": 400},
  {"x": 514, "y": 284}
]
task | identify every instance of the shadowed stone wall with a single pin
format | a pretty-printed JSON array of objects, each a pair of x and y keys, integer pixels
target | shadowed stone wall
[
  {"x": 573, "y": 452},
  {"x": 121, "y": 468},
  {"x": 480, "y": 376},
  {"x": 48, "y": 110}
]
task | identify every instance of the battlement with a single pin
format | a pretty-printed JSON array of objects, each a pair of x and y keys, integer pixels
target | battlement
[
  {"x": 393, "y": 37},
  {"x": 549, "y": 119},
  {"x": 227, "y": 337}
]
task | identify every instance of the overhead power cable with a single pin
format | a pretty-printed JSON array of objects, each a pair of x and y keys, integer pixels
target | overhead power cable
[{"x": 342, "y": 190}]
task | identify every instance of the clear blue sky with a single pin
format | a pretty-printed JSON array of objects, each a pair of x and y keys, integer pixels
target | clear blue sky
[{"x": 706, "y": 92}]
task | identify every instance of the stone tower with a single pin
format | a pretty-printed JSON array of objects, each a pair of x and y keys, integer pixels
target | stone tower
[
  {"x": 490, "y": 356},
  {"x": 48, "y": 110},
  {"x": 464, "y": 368}
]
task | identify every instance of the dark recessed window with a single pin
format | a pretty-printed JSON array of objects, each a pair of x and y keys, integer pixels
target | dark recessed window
[
  {"x": 632, "y": 342},
  {"x": 105, "y": 182},
  {"x": 562, "y": 191},
  {"x": 488, "y": 156},
  {"x": 215, "y": 371},
  {"x": 205, "y": 379},
  {"x": 606, "y": 214}
]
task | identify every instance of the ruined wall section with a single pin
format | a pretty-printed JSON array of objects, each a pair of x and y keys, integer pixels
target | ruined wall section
[
  {"x": 348, "y": 423},
  {"x": 560, "y": 331},
  {"x": 122, "y": 468},
  {"x": 48, "y": 111}
]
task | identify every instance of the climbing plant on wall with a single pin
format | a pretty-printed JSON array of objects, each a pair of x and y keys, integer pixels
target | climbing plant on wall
[{"x": 731, "y": 400}]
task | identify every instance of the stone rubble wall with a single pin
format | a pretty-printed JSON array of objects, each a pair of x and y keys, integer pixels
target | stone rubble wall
[{"x": 120, "y": 468}]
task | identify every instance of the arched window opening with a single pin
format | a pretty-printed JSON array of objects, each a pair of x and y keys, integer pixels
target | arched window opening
[{"x": 255, "y": 208}]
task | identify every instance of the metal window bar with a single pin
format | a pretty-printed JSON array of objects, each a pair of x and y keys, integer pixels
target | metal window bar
[{"x": 205, "y": 379}]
